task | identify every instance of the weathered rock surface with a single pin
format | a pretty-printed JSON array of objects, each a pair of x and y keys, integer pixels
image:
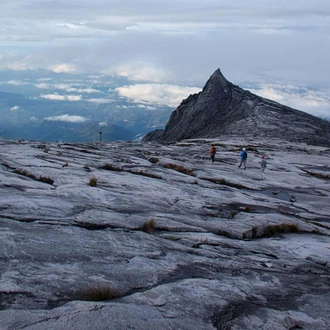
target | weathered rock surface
[
  {"x": 223, "y": 109},
  {"x": 228, "y": 251}
]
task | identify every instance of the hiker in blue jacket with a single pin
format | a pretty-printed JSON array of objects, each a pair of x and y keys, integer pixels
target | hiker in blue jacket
[{"x": 243, "y": 156}]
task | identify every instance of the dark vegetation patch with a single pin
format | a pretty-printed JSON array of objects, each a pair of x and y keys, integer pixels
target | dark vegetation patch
[
  {"x": 27, "y": 174},
  {"x": 87, "y": 168},
  {"x": 94, "y": 226},
  {"x": 46, "y": 179},
  {"x": 98, "y": 292},
  {"x": 93, "y": 181},
  {"x": 179, "y": 168},
  {"x": 223, "y": 182},
  {"x": 270, "y": 230},
  {"x": 111, "y": 167},
  {"x": 318, "y": 175},
  {"x": 147, "y": 174},
  {"x": 149, "y": 226},
  {"x": 153, "y": 160}
]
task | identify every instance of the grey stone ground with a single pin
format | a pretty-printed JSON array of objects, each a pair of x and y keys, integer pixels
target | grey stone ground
[{"x": 229, "y": 250}]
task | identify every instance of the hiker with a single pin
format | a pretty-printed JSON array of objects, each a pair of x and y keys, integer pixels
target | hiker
[
  {"x": 243, "y": 156},
  {"x": 213, "y": 151},
  {"x": 263, "y": 165}
]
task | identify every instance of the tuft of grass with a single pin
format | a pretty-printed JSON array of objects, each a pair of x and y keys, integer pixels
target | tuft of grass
[
  {"x": 25, "y": 173},
  {"x": 282, "y": 228},
  {"x": 149, "y": 226},
  {"x": 42, "y": 178},
  {"x": 143, "y": 173},
  {"x": 247, "y": 208},
  {"x": 270, "y": 230},
  {"x": 87, "y": 168},
  {"x": 153, "y": 160},
  {"x": 46, "y": 179},
  {"x": 110, "y": 167},
  {"x": 93, "y": 181},
  {"x": 174, "y": 239},
  {"x": 179, "y": 168},
  {"x": 98, "y": 293},
  {"x": 319, "y": 175}
]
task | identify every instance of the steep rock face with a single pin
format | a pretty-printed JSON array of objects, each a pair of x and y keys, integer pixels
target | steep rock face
[{"x": 222, "y": 108}]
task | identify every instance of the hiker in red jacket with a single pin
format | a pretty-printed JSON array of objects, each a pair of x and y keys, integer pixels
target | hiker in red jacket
[{"x": 213, "y": 151}]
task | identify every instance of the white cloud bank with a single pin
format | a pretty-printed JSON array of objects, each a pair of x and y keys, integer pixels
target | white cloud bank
[
  {"x": 67, "y": 118},
  {"x": 314, "y": 102},
  {"x": 99, "y": 101},
  {"x": 162, "y": 94},
  {"x": 68, "y": 88},
  {"x": 171, "y": 42},
  {"x": 57, "y": 97}
]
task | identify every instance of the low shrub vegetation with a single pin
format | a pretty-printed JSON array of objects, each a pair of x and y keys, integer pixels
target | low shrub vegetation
[
  {"x": 247, "y": 208},
  {"x": 93, "y": 181},
  {"x": 149, "y": 226},
  {"x": 42, "y": 178},
  {"x": 281, "y": 228},
  {"x": 87, "y": 168},
  {"x": 319, "y": 175},
  {"x": 153, "y": 160},
  {"x": 272, "y": 230},
  {"x": 147, "y": 174},
  {"x": 110, "y": 167},
  {"x": 179, "y": 168},
  {"x": 46, "y": 179},
  {"x": 98, "y": 293},
  {"x": 25, "y": 173}
]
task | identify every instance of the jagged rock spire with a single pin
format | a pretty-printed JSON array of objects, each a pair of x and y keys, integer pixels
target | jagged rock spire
[
  {"x": 222, "y": 108},
  {"x": 218, "y": 78}
]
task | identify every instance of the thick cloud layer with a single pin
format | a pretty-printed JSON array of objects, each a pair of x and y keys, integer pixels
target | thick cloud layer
[{"x": 176, "y": 42}]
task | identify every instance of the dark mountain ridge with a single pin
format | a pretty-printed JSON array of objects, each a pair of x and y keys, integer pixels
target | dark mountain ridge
[
  {"x": 52, "y": 131},
  {"x": 224, "y": 109}
]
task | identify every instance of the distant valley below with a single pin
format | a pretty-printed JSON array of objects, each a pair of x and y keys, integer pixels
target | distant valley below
[{"x": 34, "y": 109}]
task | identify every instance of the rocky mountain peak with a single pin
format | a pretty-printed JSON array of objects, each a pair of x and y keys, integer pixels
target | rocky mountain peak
[
  {"x": 217, "y": 79},
  {"x": 224, "y": 109}
]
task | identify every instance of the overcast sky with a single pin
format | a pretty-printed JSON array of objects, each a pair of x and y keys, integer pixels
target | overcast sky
[{"x": 279, "y": 49}]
